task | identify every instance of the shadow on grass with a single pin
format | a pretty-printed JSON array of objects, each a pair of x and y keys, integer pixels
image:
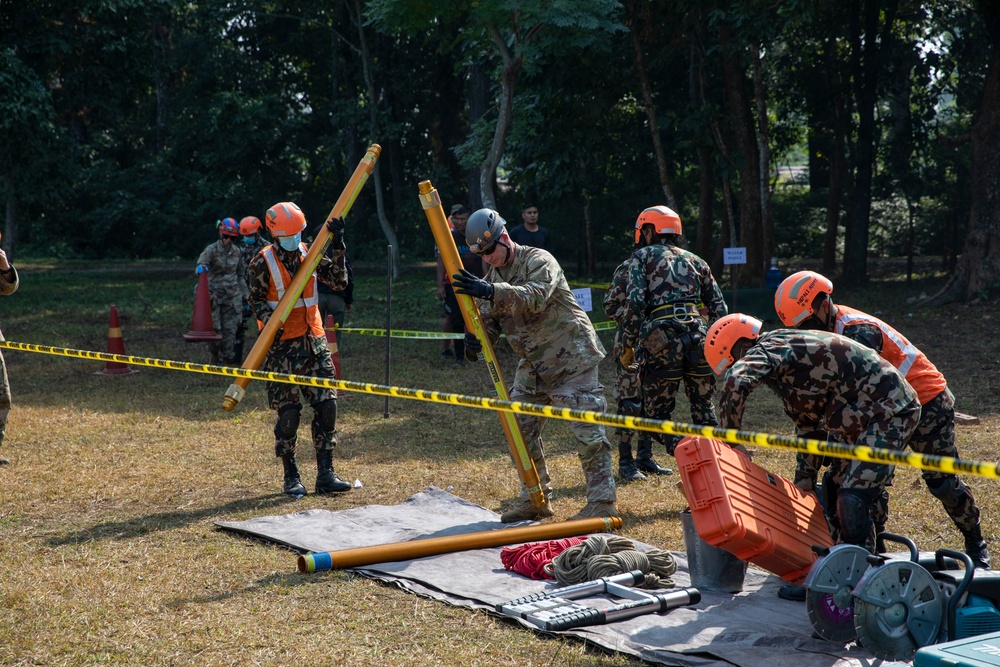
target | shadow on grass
[{"x": 144, "y": 525}]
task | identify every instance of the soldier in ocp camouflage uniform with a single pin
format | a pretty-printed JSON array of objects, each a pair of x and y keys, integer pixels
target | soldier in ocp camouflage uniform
[
  {"x": 300, "y": 347},
  {"x": 227, "y": 289},
  {"x": 827, "y": 383},
  {"x": 628, "y": 389},
  {"x": 525, "y": 295},
  {"x": 672, "y": 298}
]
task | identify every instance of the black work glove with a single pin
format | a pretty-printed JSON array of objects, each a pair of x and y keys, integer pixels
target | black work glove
[
  {"x": 472, "y": 347},
  {"x": 336, "y": 227},
  {"x": 466, "y": 282}
]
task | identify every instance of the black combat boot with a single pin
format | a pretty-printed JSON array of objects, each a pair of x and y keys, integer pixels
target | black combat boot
[
  {"x": 293, "y": 484},
  {"x": 627, "y": 472},
  {"x": 644, "y": 461},
  {"x": 975, "y": 547},
  {"x": 327, "y": 480}
]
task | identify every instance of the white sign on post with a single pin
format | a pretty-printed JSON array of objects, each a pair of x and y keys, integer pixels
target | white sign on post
[
  {"x": 582, "y": 296},
  {"x": 734, "y": 256}
]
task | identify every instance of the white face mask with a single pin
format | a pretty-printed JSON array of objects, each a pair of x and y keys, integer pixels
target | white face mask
[{"x": 290, "y": 242}]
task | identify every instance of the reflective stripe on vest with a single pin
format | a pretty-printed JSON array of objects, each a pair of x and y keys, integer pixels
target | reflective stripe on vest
[
  {"x": 304, "y": 315},
  {"x": 918, "y": 370}
]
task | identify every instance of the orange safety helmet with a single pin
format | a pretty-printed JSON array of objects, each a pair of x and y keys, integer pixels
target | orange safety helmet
[
  {"x": 793, "y": 300},
  {"x": 285, "y": 219},
  {"x": 229, "y": 227},
  {"x": 663, "y": 219},
  {"x": 723, "y": 336},
  {"x": 249, "y": 226}
]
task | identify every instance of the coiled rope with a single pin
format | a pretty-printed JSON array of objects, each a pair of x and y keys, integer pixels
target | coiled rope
[{"x": 604, "y": 556}]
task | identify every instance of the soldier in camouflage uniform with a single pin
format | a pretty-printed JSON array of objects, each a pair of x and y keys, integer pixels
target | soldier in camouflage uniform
[
  {"x": 524, "y": 294},
  {"x": 300, "y": 347},
  {"x": 8, "y": 285},
  {"x": 827, "y": 383},
  {"x": 253, "y": 243},
  {"x": 628, "y": 390},
  {"x": 671, "y": 300},
  {"x": 804, "y": 300},
  {"x": 227, "y": 288}
]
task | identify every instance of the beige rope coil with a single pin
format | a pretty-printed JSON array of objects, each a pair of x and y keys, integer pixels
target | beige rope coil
[{"x": 604, "y": 556}]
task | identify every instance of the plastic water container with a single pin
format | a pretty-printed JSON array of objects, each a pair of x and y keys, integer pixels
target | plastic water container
[{"x": 773, "y": 277}]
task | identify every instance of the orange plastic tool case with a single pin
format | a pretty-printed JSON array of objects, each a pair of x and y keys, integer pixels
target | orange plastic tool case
[{"x": 759, "y": 517}]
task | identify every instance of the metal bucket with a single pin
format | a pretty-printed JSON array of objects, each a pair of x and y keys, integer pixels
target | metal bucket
[{"x": 711, "y": 568}]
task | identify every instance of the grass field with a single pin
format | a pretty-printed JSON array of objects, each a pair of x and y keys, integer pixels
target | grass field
[{"x": 108, "y": 548}]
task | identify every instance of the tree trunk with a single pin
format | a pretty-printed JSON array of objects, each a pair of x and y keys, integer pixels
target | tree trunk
[
  {"x": 979, "y": 266},
  {"x": 654, "y": 126},
  {"x": 10, "y": 224},
  {"x": 479, "y": 94},
  {"x": 505, "y": 111},
  {"x": 838, "y": 160},
  {"x": 738, "y": 107},
  {"x": 589, "y": 228},
  {"x": 387, "y": 229},
  {"x": 764, "y": 131},
  {"x": 867, "y": 56}
]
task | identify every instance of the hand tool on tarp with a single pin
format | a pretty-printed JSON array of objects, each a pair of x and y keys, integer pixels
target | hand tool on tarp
[{"x": 265, "y": 339}]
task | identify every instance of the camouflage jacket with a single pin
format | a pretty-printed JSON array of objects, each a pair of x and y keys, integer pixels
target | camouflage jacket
[
  {"x": 226, "y": 272},
  {"x": 249, "y": 252},
  {"x": 662, "y": 274},
  {"x": 614, "y": 303},
  {"x": 533, "y": 305},
  {"x": 827, "y": 382},
  {"x": 332, "y": 270}
]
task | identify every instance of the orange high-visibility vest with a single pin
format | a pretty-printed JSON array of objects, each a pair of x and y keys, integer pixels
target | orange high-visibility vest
[
  {"x": 918, "y": 370},
  {"x": 304, "y": 316}
]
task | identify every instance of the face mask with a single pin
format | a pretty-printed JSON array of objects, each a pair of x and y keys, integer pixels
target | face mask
[
  {"x": 290, "y": 242},
  {"x": 249, "y": 240}
]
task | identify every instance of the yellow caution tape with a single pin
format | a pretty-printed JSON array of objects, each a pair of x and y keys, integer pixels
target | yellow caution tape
[{"x": 944, "y": 464}]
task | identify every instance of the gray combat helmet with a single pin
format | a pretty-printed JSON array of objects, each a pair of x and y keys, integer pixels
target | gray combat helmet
[{"x": 483, "y": 229}]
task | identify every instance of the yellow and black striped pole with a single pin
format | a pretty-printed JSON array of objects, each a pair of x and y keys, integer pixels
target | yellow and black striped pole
[
  {"x": 266, "y": 336},
  {"x": 431, "y": 202}
]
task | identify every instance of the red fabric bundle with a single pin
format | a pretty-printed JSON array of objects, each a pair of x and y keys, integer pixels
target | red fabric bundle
[{"x": 530, "y": 559}]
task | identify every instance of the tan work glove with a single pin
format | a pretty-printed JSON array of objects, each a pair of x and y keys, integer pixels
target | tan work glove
[{"x": 627, "y": 357}]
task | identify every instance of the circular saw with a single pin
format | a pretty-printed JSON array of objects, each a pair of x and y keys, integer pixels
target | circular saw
[
  {"x": 897, "y": 609},
  {"x": 829, "y": 586}
]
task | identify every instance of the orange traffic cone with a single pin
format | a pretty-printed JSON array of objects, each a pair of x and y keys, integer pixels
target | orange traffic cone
[
  {"x": 115, "y": 346},
  {"x": 201, "y": 321},
  {"x": 331, "y": 339}
]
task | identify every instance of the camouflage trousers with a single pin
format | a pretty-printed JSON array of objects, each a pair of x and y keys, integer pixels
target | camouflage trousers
[
  {"x": 226, "y": 319},
  {"x": 881, "y": 432},
  {"x": 628, "y": 394},
  {"x": 4, "y": 398},
  {"x": 581, "y": 392},
  {"x": 661, "y": 376},
  {"x": 935, "y": 434},
  {"x": 306, "y": 355}
]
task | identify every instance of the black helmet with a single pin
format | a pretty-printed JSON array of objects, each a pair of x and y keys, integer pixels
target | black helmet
[{"x": 483, "y": 229}]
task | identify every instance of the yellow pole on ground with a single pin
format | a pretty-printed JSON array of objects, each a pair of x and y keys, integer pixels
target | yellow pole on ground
[
  {"x": 434, "y": 546},
  {"x": 431, "y": 202},
  {"x": 266, "y": 336}
]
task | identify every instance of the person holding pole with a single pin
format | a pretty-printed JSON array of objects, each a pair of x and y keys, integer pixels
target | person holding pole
[
  {"x": 253, "y": 243},
  {"x": 300, "y": 346},
  {"x": 524, "y": 294}
]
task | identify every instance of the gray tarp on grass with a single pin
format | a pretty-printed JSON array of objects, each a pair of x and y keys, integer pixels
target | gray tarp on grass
[{"x": 748, "y": 629}]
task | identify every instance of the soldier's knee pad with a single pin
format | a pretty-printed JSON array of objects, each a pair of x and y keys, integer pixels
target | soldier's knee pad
[
  {"x": 326, "y": 414},
  {"x": 854, "y": 512},
  {"x": 288, "y": 422},
  {"x": 943, "y": 488},
  {"x": 630, "y": 406}
]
